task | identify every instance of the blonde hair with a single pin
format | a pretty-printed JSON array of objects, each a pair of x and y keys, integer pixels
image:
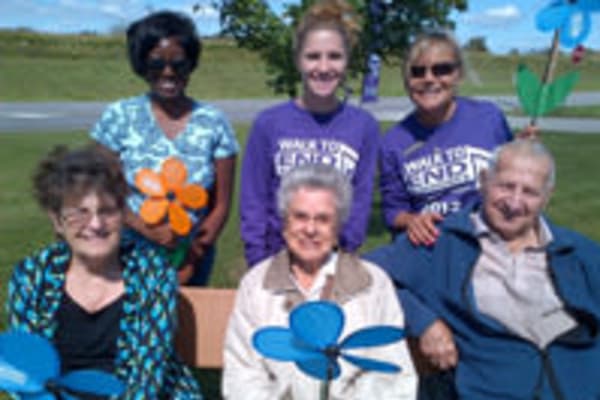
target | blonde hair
[
  {"x": 336, "y": 15},
  {"x": 426, "y": 42}
]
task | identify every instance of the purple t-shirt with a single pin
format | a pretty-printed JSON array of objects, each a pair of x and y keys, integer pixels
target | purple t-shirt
[
  {"x": 285, "y": 136},
  {"x": 437, "y": 169}
]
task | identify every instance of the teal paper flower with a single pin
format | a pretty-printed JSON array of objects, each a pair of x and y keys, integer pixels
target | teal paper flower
[
  {"x": 312, "y": 344},
  {"x": 30, "y": 368}
]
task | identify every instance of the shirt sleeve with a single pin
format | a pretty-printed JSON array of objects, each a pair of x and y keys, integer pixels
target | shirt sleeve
[
  {"x": 226, "y": 143},
  {"x": 354, "y": 232},
  {"x": 501, "y": 129},
  {"x": 109, "y": 129},
  {"x": 255, "y": 200},
  {"x": 394, "y": 196},
  {"x": 408, "y": 267},
  {"x": 245, "y": 374}
]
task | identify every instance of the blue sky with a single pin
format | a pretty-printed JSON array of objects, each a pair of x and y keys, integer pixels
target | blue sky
[{"x": 505, "y": 24}]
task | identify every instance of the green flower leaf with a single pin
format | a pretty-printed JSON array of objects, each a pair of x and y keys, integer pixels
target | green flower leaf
[
  {"x": 557, "y": 92},
  {"x": 538, "y": 99},
  {"x": 528, "y": 89}
]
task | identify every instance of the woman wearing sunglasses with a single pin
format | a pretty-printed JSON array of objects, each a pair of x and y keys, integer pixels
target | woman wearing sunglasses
[
  {"x": 316, "y": 127},
  {"x": 430, "y": 161},
  {"x": 164, "y": 122},
  {"x": 103, "y": 304}
]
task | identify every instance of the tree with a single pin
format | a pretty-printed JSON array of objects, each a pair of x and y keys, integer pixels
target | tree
[
  {"x": 256, "y": 27},
  {"x": 478, "y": 44}
]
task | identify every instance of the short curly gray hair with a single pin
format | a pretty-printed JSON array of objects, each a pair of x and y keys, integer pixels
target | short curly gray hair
[
  {"x": 529, "y": 148},
  {"x": 316, "y": 176}
]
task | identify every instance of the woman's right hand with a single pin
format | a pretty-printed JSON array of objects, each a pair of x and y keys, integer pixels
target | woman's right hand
[
  {"x": 421, "y": 229},
  {"x": 161, "y": 234}
]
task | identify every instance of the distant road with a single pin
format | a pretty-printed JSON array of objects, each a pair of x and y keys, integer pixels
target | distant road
[{"x": 70, "y": 116}]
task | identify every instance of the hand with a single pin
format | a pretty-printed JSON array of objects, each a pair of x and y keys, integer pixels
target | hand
[
  {"x": 205, "y": 238},
  {"x": 185, "y": 273},
  {"x": 161, "y": 234},
  {"x": 421, "y": 229},
  {"x": 437, "y": 344},
  {"x": 529, "y": 132}
]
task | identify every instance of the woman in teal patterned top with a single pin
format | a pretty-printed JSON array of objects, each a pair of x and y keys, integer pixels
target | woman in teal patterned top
[
  {"x": 104, "y": 305},
  {"x": 146, "y": 130}
]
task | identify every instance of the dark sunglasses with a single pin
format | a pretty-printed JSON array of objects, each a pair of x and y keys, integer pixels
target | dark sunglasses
[
  {"x": 441, "y": 69},
  {"x": 180, "y": 67}
]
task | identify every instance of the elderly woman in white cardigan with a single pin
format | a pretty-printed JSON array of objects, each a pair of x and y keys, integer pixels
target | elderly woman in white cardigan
[{"x": 313, "y": 201}]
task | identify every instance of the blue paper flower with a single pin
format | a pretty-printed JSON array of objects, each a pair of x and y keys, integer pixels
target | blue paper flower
[
  {"x": 571, "y": 17},
  {"x": 30, "y": 367},
  {"x": 312, "y": 341}
]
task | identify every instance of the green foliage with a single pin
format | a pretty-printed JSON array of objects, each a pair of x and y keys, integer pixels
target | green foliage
[
  {"x": 539, "y": 99},
  {"x": 255, "y": 26},
  {"x": 477, "y": 43}
]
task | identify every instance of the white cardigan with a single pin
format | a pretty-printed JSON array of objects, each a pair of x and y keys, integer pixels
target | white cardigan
[{"x": 266, "y": 295}]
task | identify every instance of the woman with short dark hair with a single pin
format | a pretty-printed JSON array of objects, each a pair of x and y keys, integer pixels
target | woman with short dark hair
[
  {"x": 164, "y": 123},
  {"x": 104, "y": 304}
]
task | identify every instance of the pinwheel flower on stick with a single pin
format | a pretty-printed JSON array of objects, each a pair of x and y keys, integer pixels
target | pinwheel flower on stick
[
  {"x": 30, "y": 369},
  {"x": 311, "y": 342},
  {"x": 169, "y": 194},
  {"x": 570, "y": 20}
]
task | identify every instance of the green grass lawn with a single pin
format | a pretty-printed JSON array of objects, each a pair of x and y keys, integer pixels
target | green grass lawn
[
  {"x": 37, "y": 67},
  {"x": 25, "y": 228}
]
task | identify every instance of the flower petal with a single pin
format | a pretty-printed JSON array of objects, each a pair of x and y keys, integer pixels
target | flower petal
[
  {"x": 179, "y": 220},
  {"x": 372, "y": 336},
  {"x": 317, "y": 323},
  {"x": 552, "y": 17},
  {"x": 13, "y": 379},
  {"x": 192, "y": 196},
  {"x": 173, "y": 173},
  {"x": 370, "y": 364},
  {"x": 28, "y": 361},
  {"x": 576, "y": 28},
  {"x": 91, "y": 381},
  {"x": 279, "y": 343},
  {"x": 150, "y": 183},
  {"x": 153, "y": 210}
]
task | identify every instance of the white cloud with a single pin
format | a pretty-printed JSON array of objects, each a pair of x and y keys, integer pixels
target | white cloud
[
  {"x": 502, "y": 15},
  {"x": 98, "y": 15}
]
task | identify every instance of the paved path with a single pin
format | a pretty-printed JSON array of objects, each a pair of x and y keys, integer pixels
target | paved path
[{"x": 69, "y": 116}]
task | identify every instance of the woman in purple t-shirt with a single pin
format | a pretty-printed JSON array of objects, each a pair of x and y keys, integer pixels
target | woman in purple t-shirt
[
  {"x": 430, "y": 161},
  {"x": 315, "y": 127}
]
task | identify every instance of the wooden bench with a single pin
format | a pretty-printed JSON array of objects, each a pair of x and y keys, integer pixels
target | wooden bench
[{"x": 203, "y": 317}]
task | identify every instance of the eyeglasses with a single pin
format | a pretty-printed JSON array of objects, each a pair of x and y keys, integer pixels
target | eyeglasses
[
  {"x": 78, "y": 218},
  {"x": 180, "y": 66},
  {"x": 438, "y": 70},
  {"x": 321, "y": 219}
]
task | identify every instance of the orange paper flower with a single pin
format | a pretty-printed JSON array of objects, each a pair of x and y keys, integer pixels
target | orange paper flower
[{"x": 168, "y": 193}]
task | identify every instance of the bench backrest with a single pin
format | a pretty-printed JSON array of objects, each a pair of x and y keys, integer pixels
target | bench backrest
[{"x": 203, "y": 317}]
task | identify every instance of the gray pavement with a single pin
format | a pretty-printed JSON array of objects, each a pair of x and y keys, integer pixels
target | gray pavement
[{"x": 69, "y": 116}]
